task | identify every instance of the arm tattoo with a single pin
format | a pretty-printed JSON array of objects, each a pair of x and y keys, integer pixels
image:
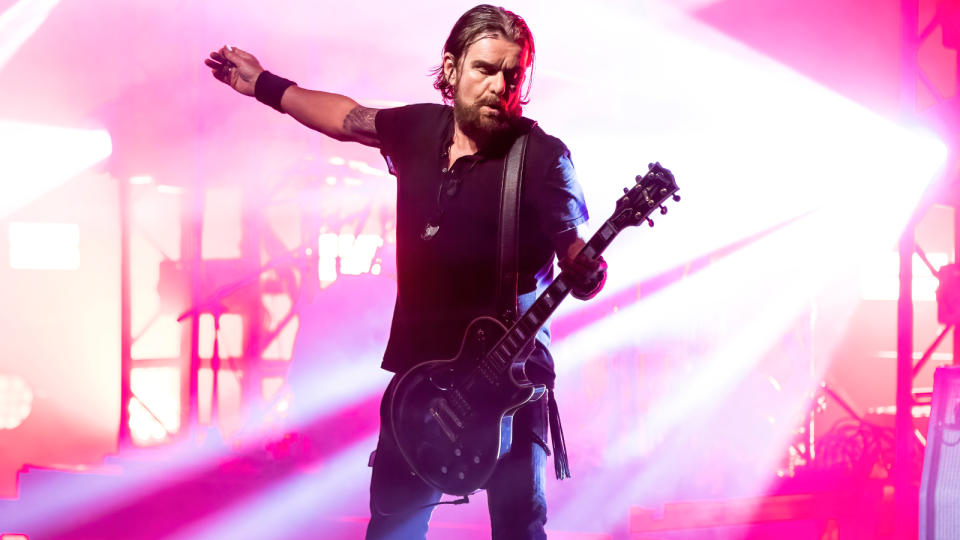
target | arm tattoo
[{"x": 360, "y": 126}]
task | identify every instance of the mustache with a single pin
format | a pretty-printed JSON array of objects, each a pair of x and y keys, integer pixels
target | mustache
[{"x": 492, "y": 102}]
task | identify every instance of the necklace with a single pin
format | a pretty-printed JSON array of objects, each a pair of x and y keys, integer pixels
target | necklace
[{"x": 448, "y": 189}]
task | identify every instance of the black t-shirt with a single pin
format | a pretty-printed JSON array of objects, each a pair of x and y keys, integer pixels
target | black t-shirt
[{"x": 446, "y": 281}]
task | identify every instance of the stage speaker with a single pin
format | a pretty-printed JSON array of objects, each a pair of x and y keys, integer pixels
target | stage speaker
[{"x": 940, "y": 483}]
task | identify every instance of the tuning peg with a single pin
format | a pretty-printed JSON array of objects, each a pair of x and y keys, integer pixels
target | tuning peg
[
  {"x": 639, "y": 178},
  {"x": 650, "y": 222},
  {"x": 626, "y": 190},
  {"x": 663, "y": 210},
  {"x": 676, "y": 198},
  {"x": 650, "y": 166}
]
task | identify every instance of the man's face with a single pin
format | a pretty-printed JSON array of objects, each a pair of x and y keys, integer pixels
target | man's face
[{"x": 487, "y": 82}]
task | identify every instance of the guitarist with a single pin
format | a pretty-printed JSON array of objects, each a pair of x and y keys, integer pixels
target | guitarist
[{"x": 449, "y": 162}]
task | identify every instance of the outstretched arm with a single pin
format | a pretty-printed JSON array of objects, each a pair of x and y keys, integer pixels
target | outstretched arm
[{"x": 333, "y": 115}]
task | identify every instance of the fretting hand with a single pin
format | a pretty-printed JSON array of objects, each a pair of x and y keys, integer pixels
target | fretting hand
[
  {"x": 235, "y": 68},
  {"x": 586, "y": 275}
]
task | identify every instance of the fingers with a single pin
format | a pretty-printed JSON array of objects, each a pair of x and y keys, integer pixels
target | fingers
[
  {"x": 219, "y": 67},
  {"x": 584, "y": 266},
  {"x": 234, "y": 67},
  {"x": 221, "y": 58},
  {"x": 213, "y": 64},
  {"x": 601, "y": 264},
  {"x": 587, "y": 275},
  {"x": 592, "y": 264},
  {"x": 216, "y": 61},
  {"x": 222, "y": 62},
  {"x": 233, "y": 54}
]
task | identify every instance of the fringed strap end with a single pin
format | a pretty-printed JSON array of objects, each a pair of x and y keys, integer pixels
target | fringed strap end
[{"x": 560, "y": 463}]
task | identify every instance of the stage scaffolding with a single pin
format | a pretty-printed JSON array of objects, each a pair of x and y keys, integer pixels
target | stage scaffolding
[{"x": 943, "y": 114}]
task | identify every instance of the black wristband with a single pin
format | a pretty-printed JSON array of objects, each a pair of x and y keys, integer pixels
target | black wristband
[{"x": 269, "y": 89}]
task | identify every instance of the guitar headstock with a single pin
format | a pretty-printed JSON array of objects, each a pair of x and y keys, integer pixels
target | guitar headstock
[{"x": 651, "y": 191}]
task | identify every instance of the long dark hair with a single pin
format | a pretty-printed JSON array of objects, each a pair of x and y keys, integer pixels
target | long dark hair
[{"x": 482, "y": 21}]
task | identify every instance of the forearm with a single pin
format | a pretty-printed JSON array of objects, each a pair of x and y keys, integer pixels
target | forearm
[
  {"x": 331, "y": 114},
  {"x": 321, "y": 111}
]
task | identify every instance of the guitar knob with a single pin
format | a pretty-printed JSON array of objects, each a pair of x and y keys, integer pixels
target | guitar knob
[
  {"x": 676, "y": 198},
  {"x": 443, "y": 469},
  {"x": 663, "y": 210},
  {"x": 650, "y": 222}
]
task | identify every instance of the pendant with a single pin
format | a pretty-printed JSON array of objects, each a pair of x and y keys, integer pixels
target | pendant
[{"x": 429, "y": 231}]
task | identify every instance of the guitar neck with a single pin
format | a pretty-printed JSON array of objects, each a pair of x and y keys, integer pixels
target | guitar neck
[{"x": 526, "y": 328}]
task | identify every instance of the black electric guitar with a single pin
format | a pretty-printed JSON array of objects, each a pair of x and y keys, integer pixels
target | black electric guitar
[{"x": 452, "y": 418}]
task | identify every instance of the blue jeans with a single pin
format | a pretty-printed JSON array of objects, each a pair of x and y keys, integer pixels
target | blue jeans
[{"x": 515, "y": 491}]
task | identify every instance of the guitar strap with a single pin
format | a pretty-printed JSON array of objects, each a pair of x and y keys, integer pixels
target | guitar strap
[
  {"x": 508, "y": 274},
  {"x": 508, "y": 255}
]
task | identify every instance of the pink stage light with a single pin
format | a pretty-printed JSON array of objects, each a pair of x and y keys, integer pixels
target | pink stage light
[
  {"x": 36, "y": 159},
  {"x": 229, "y": 338},
  {"x": 222, "y": 223},
  {"x": 880, "y": 280},
  {"x": 156, "y": 388},
  {"x": 44, "y": 246},
  {"x": 19, "y": 22},
  {"x": 752, "y": 143},
  {"x": 16, "y": 400},
  {"x": 278, "y": 306},
  {"x": 355, "y": 254},
  {"x": 281, "y": 511}
]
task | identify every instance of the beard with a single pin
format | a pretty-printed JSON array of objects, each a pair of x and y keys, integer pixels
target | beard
[{"x": 484, "y": 125}]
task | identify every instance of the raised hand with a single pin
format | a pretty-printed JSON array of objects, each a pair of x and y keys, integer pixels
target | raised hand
[{"x": 235, "y": 68}]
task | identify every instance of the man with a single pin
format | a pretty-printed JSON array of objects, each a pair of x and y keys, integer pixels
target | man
[{"x": 449, "y": 162}]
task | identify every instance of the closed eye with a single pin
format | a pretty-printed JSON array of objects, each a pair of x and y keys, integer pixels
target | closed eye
[{"x": 485, "y": 68}]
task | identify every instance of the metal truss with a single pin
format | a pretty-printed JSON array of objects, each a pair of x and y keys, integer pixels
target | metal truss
[{"x": 945, "y": 111}]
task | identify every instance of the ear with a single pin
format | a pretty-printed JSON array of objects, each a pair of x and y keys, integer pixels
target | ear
[{"x": 449, "y": 68}]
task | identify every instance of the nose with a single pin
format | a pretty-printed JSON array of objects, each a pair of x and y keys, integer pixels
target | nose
[{"x": 499, "y": 84}]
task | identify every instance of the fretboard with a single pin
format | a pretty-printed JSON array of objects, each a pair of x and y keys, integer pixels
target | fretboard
[{"x": 526, "y": 328}]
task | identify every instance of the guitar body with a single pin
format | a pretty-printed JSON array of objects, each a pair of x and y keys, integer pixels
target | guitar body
[{"x": 452, "y": 418}]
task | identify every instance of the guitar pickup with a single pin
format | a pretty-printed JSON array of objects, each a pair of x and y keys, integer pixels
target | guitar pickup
[
  {"x": 448, "y": 414},
  {"x": 445, "y": 407},
  {"x": 443, "y": 425}
]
